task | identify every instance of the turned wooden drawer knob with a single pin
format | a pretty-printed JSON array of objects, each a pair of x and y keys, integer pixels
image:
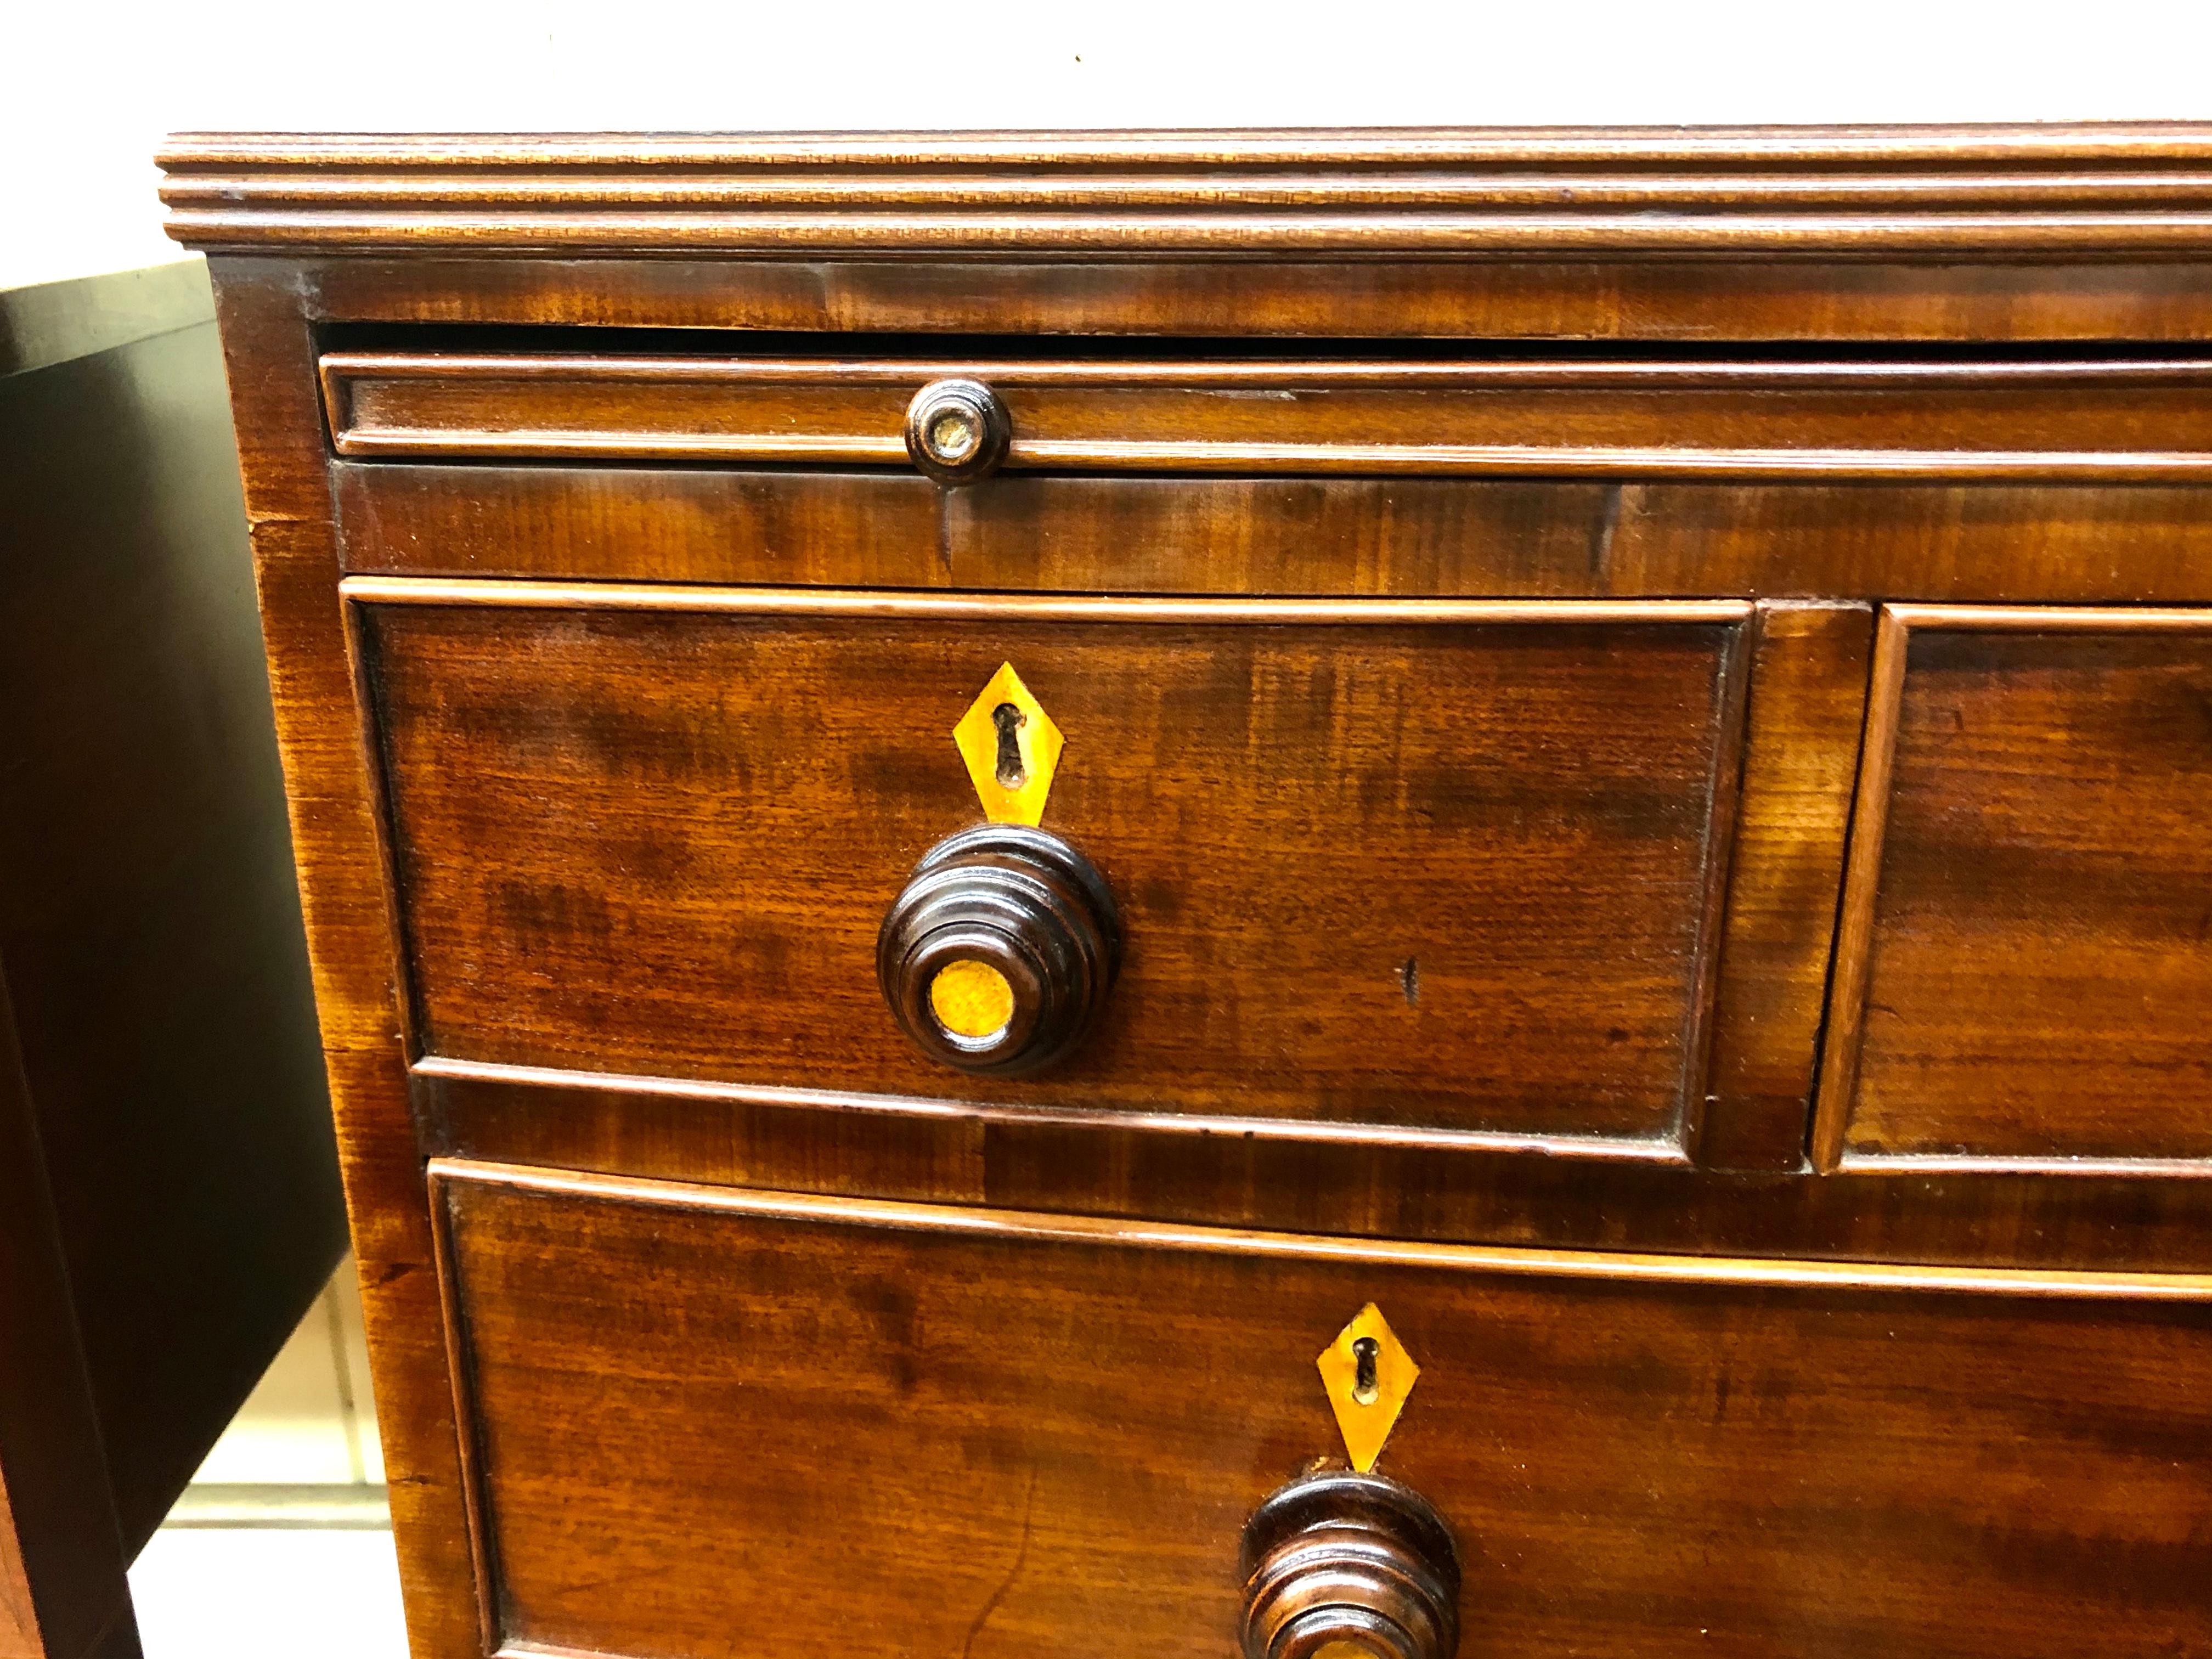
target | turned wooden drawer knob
[
  {"x": 1349, "y": 1566},
  {"x": 957, "y": 430},
  {"x": 998, "y": 954}
]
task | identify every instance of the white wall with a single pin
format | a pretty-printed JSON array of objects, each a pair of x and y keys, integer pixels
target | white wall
[{"x": 86, "y": 90}]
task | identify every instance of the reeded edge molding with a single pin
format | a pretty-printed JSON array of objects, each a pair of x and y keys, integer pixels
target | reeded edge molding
[
  {"x": 446, "y": 1174},
  {"x": 2115, "y": 142},
  {"x": 2086, "y": 192}
]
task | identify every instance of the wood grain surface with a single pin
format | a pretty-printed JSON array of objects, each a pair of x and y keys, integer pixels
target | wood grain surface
[
  {"x": 1822, "y": 303},
  {"x": 351, "y": 945},
  {"x": 1401, "y": 537},
  {"x": 2129, "y": 420},
  {"x": 911, "y": 1429},
  {"x": 1318, "y": 1178},
  {"x": 1808, "y": 707},
  {"x": 538, "y": 839},
  {"x": 2024, "y": 971},
  {"x": 2109, "y": 192},
  {"x": 1420, "y": 865}
]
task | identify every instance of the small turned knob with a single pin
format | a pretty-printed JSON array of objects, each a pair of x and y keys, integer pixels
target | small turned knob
[
  {"x": 997, "y": 956},
  {"x": 957, "y": 431},
  {"x": 1349, "y": 1566}
]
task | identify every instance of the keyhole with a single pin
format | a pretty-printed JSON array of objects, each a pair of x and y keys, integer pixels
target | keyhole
[
  {"x": 1010, "y": 720},
  {"x": 1364, "y": 1352}
]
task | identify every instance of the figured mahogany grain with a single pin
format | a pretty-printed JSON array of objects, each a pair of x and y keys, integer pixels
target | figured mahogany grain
[
  {"x": 1537, "y": 299},
  {"x": 1808, "y": 704},
  {"x": 1901, "y": 1471},
  {"x": 911, "y": 1430},
  {"x": 2135, "y": 419},
  {"x": 1469, "y": 538},
  {"x": 2027, "y": 964},
  {"x": 351, "y": 944},
  {"x": 656, "y": 832},
  {"x": 1314, "y": 1178}
]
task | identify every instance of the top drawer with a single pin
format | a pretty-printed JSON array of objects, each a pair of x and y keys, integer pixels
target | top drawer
[
  {"x": 2026, "y": 957},
  {"x": 2124, "y": 420},
  {"x": 1449, "y": 869}
]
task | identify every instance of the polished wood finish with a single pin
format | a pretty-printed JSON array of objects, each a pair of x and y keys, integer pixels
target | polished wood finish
[
  {"x": 1044, "y": 1433},
  {"x": 1445, "y": 867},
  {"x": 1931, "y": 1401},
  {"x": 351, "y": 945},
  {"x": 2141, "y": 420},
  {"x": 1356, "y": 1566},
  {"x": 1395, "y": 537},
  {"x": 2092, "y": 298},
  {"x": 956, "y": 429},
  {"x": 1937, "y": 194},
  {"x": 1031, "y": 912},
  {"x": 169, "y": 1195},
  {"x": 1808, "y": 684},
  {"x": 1288, "y": 1175},
  {"x": 1611, "y": 300},
  {"x": 2024, "y": 973}
]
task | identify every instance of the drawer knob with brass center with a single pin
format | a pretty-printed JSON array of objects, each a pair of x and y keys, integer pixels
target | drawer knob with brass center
[
  {"x": 1349, "y": 1566},
  {"x": 998, "y": 954},
  {"x": 957, "y": 430}
]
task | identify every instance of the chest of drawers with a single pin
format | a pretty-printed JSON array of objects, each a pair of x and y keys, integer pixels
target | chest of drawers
[{"x": 1345, "y": 896}]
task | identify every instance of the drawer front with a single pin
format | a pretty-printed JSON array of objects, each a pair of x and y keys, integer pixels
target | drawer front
[
  {"x": 2134, "y": 419},
  {"x": 1506, "y": 538},
  {"x": 1445, "y": 867},
  {"x": 2027, "y": 961},
  {"x": 705, "y": 1421}
]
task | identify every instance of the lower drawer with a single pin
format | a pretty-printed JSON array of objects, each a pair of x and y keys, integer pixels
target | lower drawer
[{"x": 704, "y": 1421}]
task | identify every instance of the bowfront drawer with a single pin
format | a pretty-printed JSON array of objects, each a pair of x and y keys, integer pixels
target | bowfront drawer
[
  {"x": 2026, "y": 968},
  {"x": 1452, "y": 868},
  {"x": 703, "y": 1421}
]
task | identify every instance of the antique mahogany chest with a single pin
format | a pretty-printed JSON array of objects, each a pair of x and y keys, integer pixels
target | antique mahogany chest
[{"x": 1328, "y": 895}]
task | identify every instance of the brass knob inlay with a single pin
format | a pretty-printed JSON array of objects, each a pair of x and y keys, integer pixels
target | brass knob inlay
[{"x": 971, "y": 999}]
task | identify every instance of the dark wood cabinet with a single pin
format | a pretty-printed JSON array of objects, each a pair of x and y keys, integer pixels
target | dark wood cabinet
[
  {"x": 1639, "y": 703},
  {"x": 170, "y": 1202}
]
